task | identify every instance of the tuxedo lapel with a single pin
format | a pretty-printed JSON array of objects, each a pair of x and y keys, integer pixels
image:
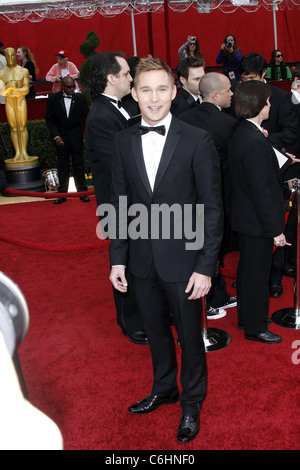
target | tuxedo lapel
[
  {"x": 169, "y": 148},
  {"x": 139, "y": 158},
  {"x": 62, "y": 103}
]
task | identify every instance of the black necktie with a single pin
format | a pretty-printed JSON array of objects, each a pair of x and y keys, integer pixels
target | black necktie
[
  {"x": 117, "y": 102},
  {"x": 159, "y": 129}
]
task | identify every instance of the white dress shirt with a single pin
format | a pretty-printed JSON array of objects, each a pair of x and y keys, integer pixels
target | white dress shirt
[
  {"x": 68, "y": 102},
  {"x": 153, "y": 144}
]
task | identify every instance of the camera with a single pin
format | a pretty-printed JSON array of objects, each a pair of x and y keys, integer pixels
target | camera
[
  {"x": 229, "y": 44},
  {"x": 193, "y": 38},
  {"x": 14, "y": 313}
]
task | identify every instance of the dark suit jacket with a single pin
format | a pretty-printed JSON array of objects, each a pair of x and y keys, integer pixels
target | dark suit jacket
[
  {"x": 69, "y": 128},
  {"x": 189, "y": 172},
  {"x": 295, "y": 146},
  {"x": 103, "y": 122},
  {"x": 182, "y": 102},
  {"x": 207, "y": 116},
  {"x": 258, "y": 201},
  {"x": 282, "y": 122}
]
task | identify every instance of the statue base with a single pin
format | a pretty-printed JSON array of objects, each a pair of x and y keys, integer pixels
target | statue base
[{"x": 24, "y": 176}]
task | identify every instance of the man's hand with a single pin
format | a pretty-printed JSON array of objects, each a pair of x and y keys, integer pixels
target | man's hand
[
  {"x": 59, "y": 141},
  {"x": 279, "y": 240},
  {"x": 200, "y": 284},
  {"x": 118, "y": 279}
]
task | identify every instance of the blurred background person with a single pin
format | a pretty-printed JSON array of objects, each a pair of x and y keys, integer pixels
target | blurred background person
[
  {"x": 189, "y": 73},
  {"x": 65, "y": 117},
  {"x": 127, "y": 101},
  {"x": 230, "y": 57},
  {"x": 62, "y": 69},
  {"x": 2, "y": 55},
  {"x": 277, "y": 69},
  {"x": 258, "y": 208},
  {"x": 190, "y": 48},
  {"x": 27, "y": 61},
  {"x": 2, "y": 64}
]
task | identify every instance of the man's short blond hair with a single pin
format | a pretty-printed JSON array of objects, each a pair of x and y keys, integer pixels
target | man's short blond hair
[{"x": 148, "y": 64}]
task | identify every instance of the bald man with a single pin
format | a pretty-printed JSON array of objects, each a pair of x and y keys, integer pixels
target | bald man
[{"x": 215, "y": 89}]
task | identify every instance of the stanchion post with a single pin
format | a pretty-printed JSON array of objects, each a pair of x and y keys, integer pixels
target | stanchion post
[
  {"x": 214, "y": 339},
  {"x": 290, "y": 317}
]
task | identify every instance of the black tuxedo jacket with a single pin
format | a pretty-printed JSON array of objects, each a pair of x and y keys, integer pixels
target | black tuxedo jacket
[
  {"x": 258, "y": 199},
  {"x": 69, "y": 128},
  {"x": 188, "y": 173},
  {"x": 207, "y": 116},
  {"x": 182, "y": 102},
  {"x": 103, "y": 122},
  {"x": 295, "y": 146},
  {"x": 282, "y": 123}
]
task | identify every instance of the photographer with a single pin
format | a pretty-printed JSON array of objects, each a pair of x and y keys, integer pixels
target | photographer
[
  {"x": 190, "y": 48},
  {"x": 230, "y": 56}
]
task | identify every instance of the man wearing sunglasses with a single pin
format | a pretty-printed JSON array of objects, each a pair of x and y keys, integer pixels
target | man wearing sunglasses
[{"x": 66, "y": 114}]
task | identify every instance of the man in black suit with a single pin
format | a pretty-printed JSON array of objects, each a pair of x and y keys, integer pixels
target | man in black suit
[
  {"x": 162, "y": 166},
  {"x": 189, "y": 72},
  {"x": 215, "y": 89},
  {"x": 109, "y": 82},
  {"x": 283, "y": 132},
  {"x": 66, "y": 114}
]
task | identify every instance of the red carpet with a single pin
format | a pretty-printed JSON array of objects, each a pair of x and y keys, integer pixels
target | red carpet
[{"x": 83, "y": 373}]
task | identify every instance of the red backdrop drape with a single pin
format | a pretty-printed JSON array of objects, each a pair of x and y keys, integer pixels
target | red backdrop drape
[{"x": 254, "y": 32}]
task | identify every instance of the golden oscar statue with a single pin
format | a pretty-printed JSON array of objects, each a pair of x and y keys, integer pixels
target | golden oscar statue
[{"x": 14, "y": 84}]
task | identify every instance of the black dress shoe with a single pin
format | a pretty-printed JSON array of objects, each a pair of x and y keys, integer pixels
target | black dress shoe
[
  {"x": 266, "y": 337},
  {"x": 138, "y": 337},
  {"x": 188, "y": 428},
  {"x": 60, "y": 200},
  {"x": 151, "y": 402},
  {"x": 276, "y": 290},
  {"x": 84, "y": 199}
]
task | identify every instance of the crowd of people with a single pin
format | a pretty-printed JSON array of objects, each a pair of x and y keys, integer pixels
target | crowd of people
[{"x": 212, "y": 143}]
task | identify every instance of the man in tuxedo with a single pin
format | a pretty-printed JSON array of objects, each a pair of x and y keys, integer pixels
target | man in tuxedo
[
  {"x": 109, "y": 82},
  {"x": 189, "y": 72},
  {"x": 283, "y": 131},
  {"x": 215, "y": 89},
  {"x": 159, "y": 165},
  {"x": 66, "y": 114}
]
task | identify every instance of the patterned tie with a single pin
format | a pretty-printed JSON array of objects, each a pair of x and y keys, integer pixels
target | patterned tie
[{"x": 159, "y": 129}]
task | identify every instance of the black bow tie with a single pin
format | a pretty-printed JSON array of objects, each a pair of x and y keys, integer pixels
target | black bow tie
[
  {"x": 117, "y": 102},
  {"x": 69, "y": 97},
  {"x": 159, "y": 129}
]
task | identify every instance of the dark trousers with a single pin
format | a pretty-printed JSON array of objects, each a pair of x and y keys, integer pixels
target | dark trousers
[
  {"x": 253, "y": 276},
  {"x": 128, "y": 317},
  {"x": 63, "y": 168},
  {"x": 152, "y": 295}
]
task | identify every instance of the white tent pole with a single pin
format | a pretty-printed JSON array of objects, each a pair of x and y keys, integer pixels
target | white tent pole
[
  {"x": 275, "y": 8},
  {"x": 133, "y": 31}
]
